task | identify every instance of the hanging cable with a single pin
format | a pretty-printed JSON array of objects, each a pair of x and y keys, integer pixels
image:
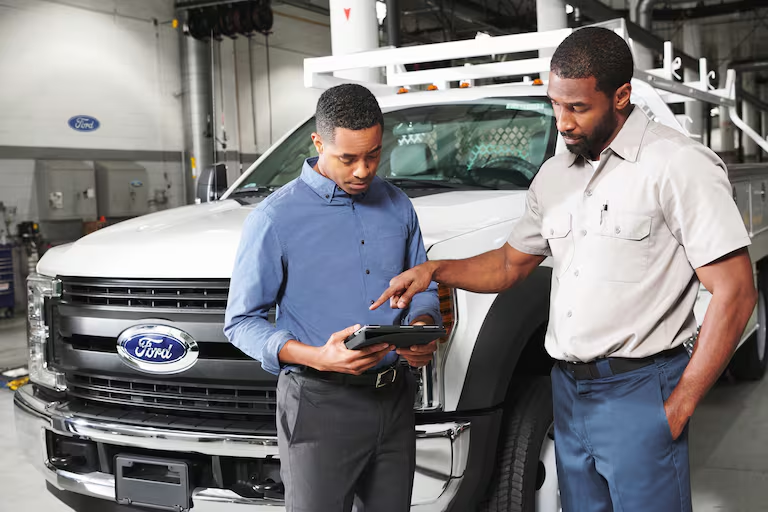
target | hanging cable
[
  {"x": 253, "y": 90},
  {"x": 269, "y": 86}
]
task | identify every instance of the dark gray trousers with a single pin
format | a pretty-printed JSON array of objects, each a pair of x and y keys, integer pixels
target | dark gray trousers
[{"x": 341, "y": 445}]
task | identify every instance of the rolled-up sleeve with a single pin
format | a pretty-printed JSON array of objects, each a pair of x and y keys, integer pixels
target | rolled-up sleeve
[
  {"x": 256, "y": 282},
  {"x": 426, "y": 302}
]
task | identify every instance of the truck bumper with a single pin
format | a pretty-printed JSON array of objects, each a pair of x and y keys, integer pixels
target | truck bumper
[{"x": 442, "y": 452}]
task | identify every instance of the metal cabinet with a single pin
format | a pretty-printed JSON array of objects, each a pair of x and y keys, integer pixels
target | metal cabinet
[
  {"x": 749, "y": 184},
  {"x": 122, "y": 189},
  {"x": 7, "y": 289},
  {"x": 66, "y": 190}
]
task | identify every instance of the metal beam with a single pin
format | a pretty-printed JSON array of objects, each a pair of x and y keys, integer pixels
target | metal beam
[
  {"x": 301, "y": 4},
  {"x": 598, "y": 11},
  {"x": 705, "y": 11},
  {"x": 393, "y": 23},
  {"x": 741, "y": 94},
  {"x": 754, "y": 64}
]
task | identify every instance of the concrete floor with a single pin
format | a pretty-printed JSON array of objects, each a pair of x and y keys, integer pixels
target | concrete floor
[{"x": 729, "y": 448}]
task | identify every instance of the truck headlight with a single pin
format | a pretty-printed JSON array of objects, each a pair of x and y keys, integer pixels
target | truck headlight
[
  {"x": 429, "y": 395},
  {"x": 40, "y": 290}
]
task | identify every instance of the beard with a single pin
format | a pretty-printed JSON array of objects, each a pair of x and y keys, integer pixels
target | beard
[{"x": 590, "y": 145}]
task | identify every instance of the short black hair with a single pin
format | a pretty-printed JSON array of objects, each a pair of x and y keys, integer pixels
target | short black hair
[
  {"x": 595, "y": 52},
  {"x": 349, "y": 106}
]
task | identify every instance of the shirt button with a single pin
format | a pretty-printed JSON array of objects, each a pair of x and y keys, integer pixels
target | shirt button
[
  {"x": 372, "y": 302},
  {"x": 327, "y": 196},
  {"x": 362, "y": 242},
  {"x": 551, "y": 231},
  {"x": 367, "y": 271},
  {"x": 576, "y": 273},
  {"x": 618, "y": 230},
  {"x": 583, "y": 232},
  {"x": 589, "y": 193},
  {"x": 569, "y": 314}
]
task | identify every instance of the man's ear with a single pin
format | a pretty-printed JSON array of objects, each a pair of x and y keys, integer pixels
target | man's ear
[
  {"x": 622, "y": 97},
  {"x": 318, "y": 142}
]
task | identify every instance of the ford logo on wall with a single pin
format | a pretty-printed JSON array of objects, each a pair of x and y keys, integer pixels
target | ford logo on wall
[
  {"x": 84, "y": 123},
  {"x": 157, "y": 349}
]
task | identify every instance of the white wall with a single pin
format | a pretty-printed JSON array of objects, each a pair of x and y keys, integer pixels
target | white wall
[
  {"x": 108, "y": 59},
  {"x": 297, "y": 34},
  {"x": 58, "y": 61},
  {"x": 103, "y": 58},
  {"x": 17, "y": 187}
]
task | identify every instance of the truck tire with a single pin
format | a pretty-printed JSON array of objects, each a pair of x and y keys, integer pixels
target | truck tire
[
  {"x": 750, "y": 361},
  {"x": 525, "y": 477}
]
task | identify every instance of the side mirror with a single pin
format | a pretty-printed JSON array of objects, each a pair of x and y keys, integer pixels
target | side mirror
[{"x": 212, "y": 183}]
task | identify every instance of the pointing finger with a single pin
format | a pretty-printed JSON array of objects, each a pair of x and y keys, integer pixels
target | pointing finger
[{"x": 389, "y": 292}]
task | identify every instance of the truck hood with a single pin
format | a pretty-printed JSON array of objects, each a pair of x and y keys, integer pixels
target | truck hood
[{"x": 201, "y": 241}]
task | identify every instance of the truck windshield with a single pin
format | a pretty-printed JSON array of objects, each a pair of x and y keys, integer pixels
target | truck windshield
[{"x": 492, "y": 143}]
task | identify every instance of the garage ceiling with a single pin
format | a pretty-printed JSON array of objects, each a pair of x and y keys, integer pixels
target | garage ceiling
[{"x": 426, "y": 21}]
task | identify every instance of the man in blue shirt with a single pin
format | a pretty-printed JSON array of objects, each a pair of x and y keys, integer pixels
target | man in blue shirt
[{"x": 321, "y": 248}]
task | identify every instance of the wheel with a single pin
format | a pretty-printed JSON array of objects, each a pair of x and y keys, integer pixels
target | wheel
[
  {"x": 525, "y": 477},
  {"x": 749, "y": 362}
]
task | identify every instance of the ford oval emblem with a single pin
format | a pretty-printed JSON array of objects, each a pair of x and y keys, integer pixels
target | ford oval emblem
[
  {"x": 157, "y": 349},
  {"x": 84, "y": 123}
]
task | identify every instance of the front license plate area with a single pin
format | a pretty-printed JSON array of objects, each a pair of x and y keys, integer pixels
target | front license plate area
[{"x": 161, "y": 484}]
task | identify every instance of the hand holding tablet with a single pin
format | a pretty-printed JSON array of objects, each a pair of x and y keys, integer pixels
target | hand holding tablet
[{"x": 401, "y": 336}]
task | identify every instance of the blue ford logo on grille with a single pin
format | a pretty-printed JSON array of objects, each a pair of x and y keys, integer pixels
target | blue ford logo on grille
[
  {"x": 157, "y": 349},
  {"x": 83, "y": 123}
]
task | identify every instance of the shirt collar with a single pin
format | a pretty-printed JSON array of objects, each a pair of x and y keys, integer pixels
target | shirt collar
[
  {"x": 324, "y": 187},
  {"x": 627, "y": 142}
]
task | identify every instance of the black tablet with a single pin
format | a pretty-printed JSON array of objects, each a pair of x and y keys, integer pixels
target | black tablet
[{"x": 397, "y": 335}]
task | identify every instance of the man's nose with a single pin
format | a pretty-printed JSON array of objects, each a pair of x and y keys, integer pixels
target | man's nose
[
  {"x": 363, "y": 171},
  {"x": 565, "y": 121}
]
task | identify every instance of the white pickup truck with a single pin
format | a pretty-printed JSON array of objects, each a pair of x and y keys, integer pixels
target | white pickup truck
[{"x": 192, "y": 422}]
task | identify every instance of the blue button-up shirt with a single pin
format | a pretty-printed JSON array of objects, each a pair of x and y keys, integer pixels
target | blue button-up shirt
[{"x": 323, "y": 257}]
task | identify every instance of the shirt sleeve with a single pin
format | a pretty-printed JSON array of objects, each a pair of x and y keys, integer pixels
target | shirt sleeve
[
  {"x": 526, "y": 233},
  {"x": 695, "y": 197},
  {"x": 256, "y": 282},
  {"x": 426, "y": 302}
]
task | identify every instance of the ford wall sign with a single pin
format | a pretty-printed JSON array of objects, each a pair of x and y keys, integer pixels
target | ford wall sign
[
  {"x": 157, "y": 349},
  {"x": 84, "y": 123}
]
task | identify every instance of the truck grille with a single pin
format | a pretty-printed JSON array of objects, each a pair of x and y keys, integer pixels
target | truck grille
[
  {"x": 207, "y": 349},
  {"x": 201, "y": 295},
  {"x": 174, "y": 396}
]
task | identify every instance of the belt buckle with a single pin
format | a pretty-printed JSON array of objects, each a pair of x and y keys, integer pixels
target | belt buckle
[{"x": 380, "y": 382}]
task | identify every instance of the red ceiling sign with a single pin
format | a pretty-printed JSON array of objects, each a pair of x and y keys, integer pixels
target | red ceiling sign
[{"x": 346, "y": 13}]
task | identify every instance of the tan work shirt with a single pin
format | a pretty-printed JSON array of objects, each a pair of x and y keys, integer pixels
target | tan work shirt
[{"x": 625, "y": 239}]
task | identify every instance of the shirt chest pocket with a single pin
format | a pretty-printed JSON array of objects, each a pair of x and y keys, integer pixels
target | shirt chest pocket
[
  {"x": 620, "y": 252},
  {"x": 387, "y": 249},
  {"x": 556, "y": 230}
]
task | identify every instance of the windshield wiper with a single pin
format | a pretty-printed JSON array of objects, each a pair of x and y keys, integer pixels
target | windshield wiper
[
  {"x": 254, "y": 190},
  {"x": 424, "y": 184},
  {"x": 409, "y": 183}
]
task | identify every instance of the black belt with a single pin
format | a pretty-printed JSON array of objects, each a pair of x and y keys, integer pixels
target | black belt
[
  {"x": 377, "y": 378},
  {"x": 590, "y": 371}
]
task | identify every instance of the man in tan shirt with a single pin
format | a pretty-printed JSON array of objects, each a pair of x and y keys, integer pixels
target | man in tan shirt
[{"x": 634, "y": 216}]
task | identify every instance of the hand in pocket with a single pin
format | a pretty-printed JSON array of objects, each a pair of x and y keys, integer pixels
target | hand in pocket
[{"x": 677, "y": 419}]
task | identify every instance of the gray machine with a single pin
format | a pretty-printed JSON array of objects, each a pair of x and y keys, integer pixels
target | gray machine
[
  {"x": 66, "y": 190},
  {"x": 122, "y": 189}
]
